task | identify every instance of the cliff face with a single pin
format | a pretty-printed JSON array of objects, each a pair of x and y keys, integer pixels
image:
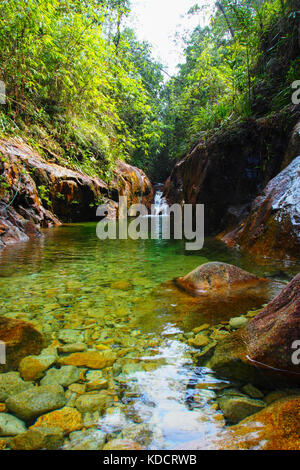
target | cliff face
[
  {"x": 35, "y": 193},
  {"x": 273, "y": 225},
  {"x": 230, "y": 170}
]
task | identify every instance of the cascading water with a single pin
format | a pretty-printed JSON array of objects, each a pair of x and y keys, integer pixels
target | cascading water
[{"x": 160, "y": 204}]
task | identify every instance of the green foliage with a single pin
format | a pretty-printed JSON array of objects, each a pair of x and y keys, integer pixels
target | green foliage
[
  {"x": 228, "y": 73},
  {"x": 83, "y": 90},
  {"x": 72, "y": 82}
]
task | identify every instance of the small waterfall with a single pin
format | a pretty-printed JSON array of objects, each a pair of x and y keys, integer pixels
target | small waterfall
[{"x": 160, "y": 204}]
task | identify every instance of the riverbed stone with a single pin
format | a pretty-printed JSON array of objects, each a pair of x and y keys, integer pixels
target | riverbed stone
[
  {"x": 101, "y": 384},
  {"x": 11, "y": 383},
  {"x": 38, "y": 439},
  {"x": 64, "y": 376},
  {"x": 89, "y": 439},
  {"x": 79, "y": 389},
  {"x": 67, "y": 420},
  {"x": 90, "y": 359},
  {"x": 10, "y": 425},
  {"x": 199, "y": 341},
  {"x": 236, "y": 408},
  {"x": 238, "y": 322},
  {"x": 21, "y": 339},
  {"x": 91, "y": 402},
  {"x": 275, "y": 395},
  {"x": 70, "y": 336},
  {"x": 218, "y": 279},
  {"x": 276, "y": 427},
  {"x": 121, "y": 285},
  {"x": 72, "y": 348},
  {"x": 33, "y": 367},
  {"x": 122, "y": 444},
  {"x": 93, "y": 375},
  {"x": 252, "y": 391},
  {"x": 140, "y": 433},
  {"x": 36, "y": 401}
]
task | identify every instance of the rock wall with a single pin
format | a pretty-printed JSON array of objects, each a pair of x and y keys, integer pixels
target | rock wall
[
  {"x": 35, "y": 193},
  {"x": 273, "y": 225},
  {"x": 262, "y": 352},
  {"x": 229, "y": 170}
]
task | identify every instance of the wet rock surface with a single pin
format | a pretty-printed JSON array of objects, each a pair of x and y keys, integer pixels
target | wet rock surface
[
  {"x": 273, "y": 225},
  {"x": 64, "y": 376},
  {"x": 36, "y": 401},
  {"x": 237, "y": 407},
  {"x": 10, "y": 425},
  {"x": 67, "y": 420},
  {"x": 219, "y": 279},
  {"x": 38, "y": 439},
  {"x": 227, "y": 172},
  {"x": 11, "y": 383}
]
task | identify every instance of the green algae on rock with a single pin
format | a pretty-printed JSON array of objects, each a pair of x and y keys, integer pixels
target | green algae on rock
[{"x": 261, "y": 352}]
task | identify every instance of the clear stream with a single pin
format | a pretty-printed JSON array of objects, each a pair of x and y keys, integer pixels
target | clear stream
[{"x": 113, "y": 293}]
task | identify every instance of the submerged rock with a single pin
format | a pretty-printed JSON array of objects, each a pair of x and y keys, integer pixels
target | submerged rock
[
  {"x": 69, "y": 336},
  {"x": 122, "y": 444},
  {"x": 88, "y": 403},
  {"x": 11, "y": 384},
  {"x": 238, "y": 322},
  {"x": 90, "y": 439},
  {"x": 10, "y": 425},
  {"x": 236, "y": 408},
  {"x": 32, "y": 367},
  {"x": 67, "y": 420},
  {"x": 276, "y": 427},
  {"x": 90, "y": 359},
  {"x": 38, "y": 439},
  {"x": 64, "y": 376},
  {"x": 199, "y": 341},
  {"x": 262, "y": 351},
  {"x": 21, "y": 340},
  {"x": 219, "y": 279},
  {"x": 140, "y": 433},
  {"x": 252, "y": 391},
  {"x": 36, "y": 401},
  {"x": 72, "y": 348}
]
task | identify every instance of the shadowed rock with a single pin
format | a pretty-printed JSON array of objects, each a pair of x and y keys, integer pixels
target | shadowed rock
[
  {"x": 21, "y": 339},
  {"x": 273, "y": 225},
  {"x": 263, "y": 350}
]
